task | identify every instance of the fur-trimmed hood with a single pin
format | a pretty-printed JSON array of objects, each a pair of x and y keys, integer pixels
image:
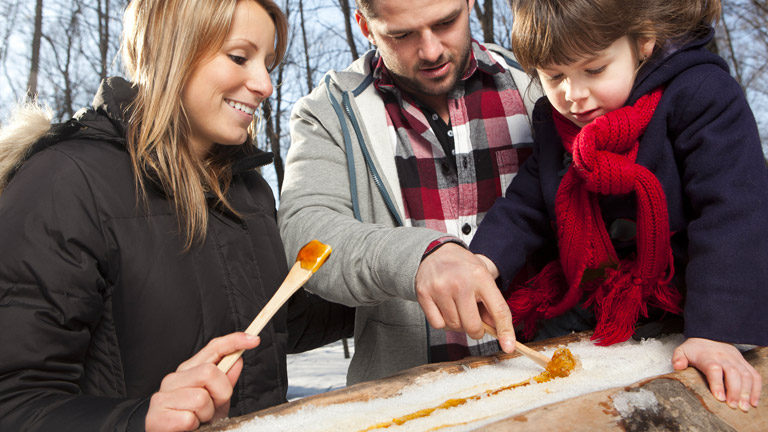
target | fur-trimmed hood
[
  {"x": 28, "y": 124},
  {"x": 30, "y": 128}
]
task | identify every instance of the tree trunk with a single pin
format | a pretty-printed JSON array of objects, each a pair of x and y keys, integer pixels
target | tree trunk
[
  {"x": 102, "y": 14},
  {"x": 34, "y": 66},
  {"x": 486, "y": 19},
  {"x": 347, "y": 11},
  {"x": 306, "y": 46}
]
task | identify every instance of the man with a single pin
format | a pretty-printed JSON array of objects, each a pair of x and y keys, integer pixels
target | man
[{"x": 394, "y": 161}]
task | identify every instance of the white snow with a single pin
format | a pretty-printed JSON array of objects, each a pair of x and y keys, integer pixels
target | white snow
[
  {"x": 318, "y": 371},
  {"x": 601, "y": 368}
]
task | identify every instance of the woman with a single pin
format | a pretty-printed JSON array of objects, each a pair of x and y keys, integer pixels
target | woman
[{"x": 137, "y": 236}]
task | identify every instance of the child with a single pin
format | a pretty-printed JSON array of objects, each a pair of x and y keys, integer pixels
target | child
[{"x": 649, "y": 176}]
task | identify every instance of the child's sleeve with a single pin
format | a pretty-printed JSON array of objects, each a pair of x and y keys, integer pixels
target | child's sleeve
[
  {"x": 518, "y": 223},
  {"x": 725, "y": 181}
]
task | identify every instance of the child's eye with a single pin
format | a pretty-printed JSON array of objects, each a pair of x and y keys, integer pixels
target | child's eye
[
  {"x": 240, "y": 60},
  {"x": 555, "y": 78},
  {"x": 596, "y": 71}
]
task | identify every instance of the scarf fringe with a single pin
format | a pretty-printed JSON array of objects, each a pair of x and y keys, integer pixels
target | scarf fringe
[
  {"x": 529, "y": 304},
  {"x": 618, "y": 300}
]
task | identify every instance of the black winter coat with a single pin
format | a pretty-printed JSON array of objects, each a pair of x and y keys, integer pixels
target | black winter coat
[{"x": 98, "y": 301}]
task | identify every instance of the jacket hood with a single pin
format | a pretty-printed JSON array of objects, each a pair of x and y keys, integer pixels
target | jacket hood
[
  {"x": 669, "y": 63},
  {"x": 30, "y": 128},
  {"x": 28, "y": 123}
]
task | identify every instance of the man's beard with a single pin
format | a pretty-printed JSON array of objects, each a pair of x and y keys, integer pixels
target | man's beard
[{"x": 416, "y": 87}]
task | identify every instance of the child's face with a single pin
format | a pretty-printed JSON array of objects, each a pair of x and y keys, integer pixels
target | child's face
[{"x": 594, "y": 85}]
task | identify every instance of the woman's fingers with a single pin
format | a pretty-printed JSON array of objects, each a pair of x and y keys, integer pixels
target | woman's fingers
[
  {"x": 198, "y": 391},
  {"x": 179, "y": 410},
  {"x": 220, "y": 347}
]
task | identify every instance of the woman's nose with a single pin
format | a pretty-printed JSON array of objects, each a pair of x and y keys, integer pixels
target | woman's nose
[{"x": 260, "y": 82}]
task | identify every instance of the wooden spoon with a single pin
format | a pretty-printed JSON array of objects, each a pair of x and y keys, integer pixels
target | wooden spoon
[
  {"x": 308, "y": 260},
  {"x": 532, "y": 354}
]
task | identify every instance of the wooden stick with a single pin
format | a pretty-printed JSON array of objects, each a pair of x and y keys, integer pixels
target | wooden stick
[
  {"x": 532, "y": 354},
  {"x": 309, "y": 259}
]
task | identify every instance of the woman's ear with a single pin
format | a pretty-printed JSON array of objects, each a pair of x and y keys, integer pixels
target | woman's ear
[{"x": 645, "y": 47}]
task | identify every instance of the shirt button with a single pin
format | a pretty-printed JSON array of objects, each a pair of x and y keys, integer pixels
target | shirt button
[
  {"x": 450, "y": 133},
  {"x": 446, "y": 168},
  {"x": 434, "y": 117},
  {"x": 466, "y": 229}
]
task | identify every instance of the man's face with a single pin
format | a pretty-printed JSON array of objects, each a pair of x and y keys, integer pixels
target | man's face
[{"x": 425, "y": 45}]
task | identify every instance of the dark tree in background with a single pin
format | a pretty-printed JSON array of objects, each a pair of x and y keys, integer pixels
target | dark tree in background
[{"x": 34, "y": 62}]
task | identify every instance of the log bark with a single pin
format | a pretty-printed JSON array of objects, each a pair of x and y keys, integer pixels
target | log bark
[{"x": 682, "y": 400}]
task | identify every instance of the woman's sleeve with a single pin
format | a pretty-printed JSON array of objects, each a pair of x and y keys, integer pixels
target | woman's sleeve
[
  {"x": 314, "y": 322},
  {"x": 52, "y": 293}
]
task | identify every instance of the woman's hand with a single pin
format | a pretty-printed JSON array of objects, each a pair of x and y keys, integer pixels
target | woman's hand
[
  {"x": 731, "y": 378},
  {"x": 198, "y": 391}
]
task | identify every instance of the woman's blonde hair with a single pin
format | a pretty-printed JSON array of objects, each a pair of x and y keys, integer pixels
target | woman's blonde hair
[
  {"x": 163, "y": 41},
  {"x": 548, "y": 32}
]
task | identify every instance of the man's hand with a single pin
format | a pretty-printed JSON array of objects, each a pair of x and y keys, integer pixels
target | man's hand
[
  {"x": 198, "y": 391},
  {"x": 456, "y": 290},
  {"x": 721, "y": 363}
]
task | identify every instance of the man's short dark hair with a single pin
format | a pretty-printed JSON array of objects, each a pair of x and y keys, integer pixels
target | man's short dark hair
[{"x": 366, "y": 7}]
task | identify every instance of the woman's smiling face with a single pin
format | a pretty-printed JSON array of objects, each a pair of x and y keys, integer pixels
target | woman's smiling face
[
  {"x": 595, "y": 85},
  {"x": 225, "y": 90}
]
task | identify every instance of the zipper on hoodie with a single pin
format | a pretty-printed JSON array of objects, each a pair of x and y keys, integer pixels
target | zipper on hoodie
[
  {"x": 369, "y": 162},
  {"x": 380, "y": 185}
]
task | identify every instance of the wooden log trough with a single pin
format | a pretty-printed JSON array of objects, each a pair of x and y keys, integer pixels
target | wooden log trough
[{"x": 677, "y": 401}]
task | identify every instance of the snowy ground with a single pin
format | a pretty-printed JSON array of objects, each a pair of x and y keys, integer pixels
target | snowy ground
[{"x": 318, "y": 371}]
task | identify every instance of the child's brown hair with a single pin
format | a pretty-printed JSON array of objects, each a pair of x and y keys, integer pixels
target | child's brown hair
[{"x": 547, "y": 32}]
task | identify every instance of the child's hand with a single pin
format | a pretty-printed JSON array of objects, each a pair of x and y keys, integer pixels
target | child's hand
[{"x": 721, "y": 362}]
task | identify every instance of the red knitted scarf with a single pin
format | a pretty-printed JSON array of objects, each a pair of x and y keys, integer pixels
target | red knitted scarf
[{"x": 604, "y": 153}]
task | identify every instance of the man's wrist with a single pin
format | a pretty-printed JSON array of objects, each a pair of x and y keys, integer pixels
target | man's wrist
[{"x": 436, "y": 244}]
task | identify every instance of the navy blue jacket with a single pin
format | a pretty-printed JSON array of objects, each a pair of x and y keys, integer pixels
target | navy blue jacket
[{"x": 702, "y": 144}]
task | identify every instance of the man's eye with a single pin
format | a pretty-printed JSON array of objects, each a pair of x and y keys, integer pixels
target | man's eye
[
  {"x": 448, "y": 23},
  {"x": 596, "y": 71},
  {"x": 237, "y": 59},
  {"x": 401, "y": 36}
]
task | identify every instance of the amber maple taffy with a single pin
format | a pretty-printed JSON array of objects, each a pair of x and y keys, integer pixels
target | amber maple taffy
[{"x": 560, "y": 366}]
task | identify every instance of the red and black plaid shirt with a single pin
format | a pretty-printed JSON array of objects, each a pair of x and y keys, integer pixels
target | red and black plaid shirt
[{"x": 491, "y": 135}]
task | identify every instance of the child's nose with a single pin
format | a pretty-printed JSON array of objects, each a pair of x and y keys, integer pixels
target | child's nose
[{"x": 575, "y": 91}]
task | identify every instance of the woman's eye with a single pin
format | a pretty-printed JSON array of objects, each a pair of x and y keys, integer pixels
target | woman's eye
[
  {"x": 557, "y": 77},
  {"x": 237, "y": 59},
  {"x": 596, "y": 71}
]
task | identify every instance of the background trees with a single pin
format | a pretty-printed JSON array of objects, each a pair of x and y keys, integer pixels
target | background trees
[{"x": 61, "y": 49}]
